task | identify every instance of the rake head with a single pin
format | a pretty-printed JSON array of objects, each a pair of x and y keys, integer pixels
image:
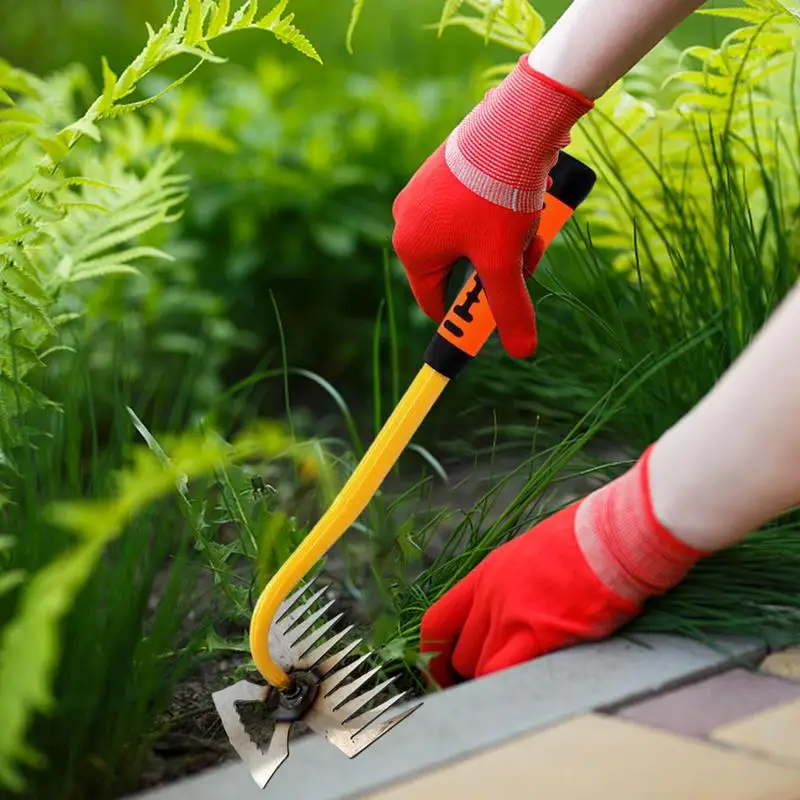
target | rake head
[{"x": 328, "y": 694}]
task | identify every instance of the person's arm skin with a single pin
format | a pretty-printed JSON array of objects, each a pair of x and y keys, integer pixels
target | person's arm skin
[
  {"x": 595, "y": 42},
  {"x": 733, "y": 462}
]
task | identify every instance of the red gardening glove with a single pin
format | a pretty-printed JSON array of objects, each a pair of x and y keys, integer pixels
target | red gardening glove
[
  {"x": 575, "y": 577},
  {"x": 479, "y": 196}
]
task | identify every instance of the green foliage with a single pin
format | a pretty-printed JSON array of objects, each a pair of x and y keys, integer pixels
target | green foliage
[
  {"x": 63, "y": 220},
  {"x": 29, "y": 642},
  {"x": 72, "y": 212},
  {"x": 512, "y": 23},
  {"x": 303, "y": 199},
  {"x": 77, "y": 641}
]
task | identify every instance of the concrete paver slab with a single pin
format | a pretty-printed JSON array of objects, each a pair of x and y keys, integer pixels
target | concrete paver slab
[
  {"x": 775, "y": 732},
  {"x": 604, "y": 758},
  {"x": 785, "y": 663}
]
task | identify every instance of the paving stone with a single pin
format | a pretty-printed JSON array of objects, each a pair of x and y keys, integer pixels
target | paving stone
[
  {"x": 479, "y": 714},
  {"x": 785, "y": 663},
  {"x": 774, "y": 732},
  {"x": 604, "y": 757},
  {"x": 697, "y": 709}
]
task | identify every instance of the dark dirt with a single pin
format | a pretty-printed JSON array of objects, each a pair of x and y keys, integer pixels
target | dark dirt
[{"x": 193, "y": 739}]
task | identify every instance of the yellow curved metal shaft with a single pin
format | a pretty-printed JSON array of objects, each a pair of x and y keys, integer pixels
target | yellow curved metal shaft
[{"x": 343, "y": 512}]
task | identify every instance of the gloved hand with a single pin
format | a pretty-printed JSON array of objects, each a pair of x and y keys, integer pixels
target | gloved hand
[
  {"x": 480, "y": 195},
  {"x": 577, "y": 576}
]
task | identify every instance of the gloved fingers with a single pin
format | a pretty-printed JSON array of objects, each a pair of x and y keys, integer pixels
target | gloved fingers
[
  {"x": 511, "y": 304},
  {"x": 442, "y": 624},
  {"x": 517, "y": 648},
  {"x": 430, "y": 290},
  {"x": 533, "y": 255},
  {"x": 467, "y": 652}
]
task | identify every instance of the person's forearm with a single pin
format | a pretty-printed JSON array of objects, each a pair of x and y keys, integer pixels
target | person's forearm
[
  {"x": 595, "y": 42},
  {"x": 733, "y": 462}
]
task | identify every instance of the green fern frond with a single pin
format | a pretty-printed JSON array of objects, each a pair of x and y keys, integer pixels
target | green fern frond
[
  {"x": 286, "y": 32},
  {"x": 449, "y": 10},
  {"x": 512, "y": 23},
  {"x": 355, "y": 16}
]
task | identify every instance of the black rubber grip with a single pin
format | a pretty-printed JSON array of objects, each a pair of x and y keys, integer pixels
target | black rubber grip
[{"x": 572, "y": 180}]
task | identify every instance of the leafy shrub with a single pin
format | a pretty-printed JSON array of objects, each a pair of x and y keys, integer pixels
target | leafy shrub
[{"x": 301, "y": 204}]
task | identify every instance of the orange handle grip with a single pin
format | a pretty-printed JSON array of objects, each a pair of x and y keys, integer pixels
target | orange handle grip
[{"x": 469, "y": 322}]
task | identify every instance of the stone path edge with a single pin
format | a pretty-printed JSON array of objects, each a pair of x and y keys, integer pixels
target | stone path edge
[{"x": 474, "y": 716}]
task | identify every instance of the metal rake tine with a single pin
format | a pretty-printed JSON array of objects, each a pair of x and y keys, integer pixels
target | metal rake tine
[
  {"x": 352, "y": 707},
  {"x": 328, "y": 665},
  {"x": 349, "y": 689},
  {"x": 318, "y": 653},
  {"x": 303, "y": 646},
  {"x": 289, "y": 619},
  {"x": 368, "y": 717},
  {"x": 287, "y": 604},
  {"x": 301, "y": 628},
  {"x": 333, "y": 679}
]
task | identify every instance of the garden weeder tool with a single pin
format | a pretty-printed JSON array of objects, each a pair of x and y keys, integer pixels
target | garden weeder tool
[{"x": 292, "y": 647}]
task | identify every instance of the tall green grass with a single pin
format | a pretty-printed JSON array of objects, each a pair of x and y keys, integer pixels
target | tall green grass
[
  {"x": 633, "y": 349},
  {"x": 124, "y": 643}
]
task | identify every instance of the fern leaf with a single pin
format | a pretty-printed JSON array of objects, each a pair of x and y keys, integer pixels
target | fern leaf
[
  {"x": 13, "y": 191},
  {"x": 58, "y": 348},
  {"x": 117, "y": 110},
  {"x": 9, "y": 152},
  {"x": 219, "y": 19},
  {"x": 85, "y": 127},
  {"x": 194, "y": 23},
  {"x": 285, "y": 32},
  {"x": 14, "y": 299},
  {"x": 11, "y": 129},
  {"x": 355, "y": 16},
  {"x": 27, "y": 283},
  {"x": 64, "y": 319},
  {"x": 103, "y": 272},
  {"x": 95, "y": 266},
  {"x": 273, "y": 15},
  {"x": 741, "y": 14},
  {"x": 489, "y": 20},
  {"x": 244, "y": 16},
  {"x": 109, "y": 87},
  {"x": 20, "y": 233},
  {"x": 449, "y": 10},
  {"x": 179, "y": 29},
  {"x": 80, "y": 180},
  {"x": 19, "y": 115},
  {"x": 55, "y": 147}
]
